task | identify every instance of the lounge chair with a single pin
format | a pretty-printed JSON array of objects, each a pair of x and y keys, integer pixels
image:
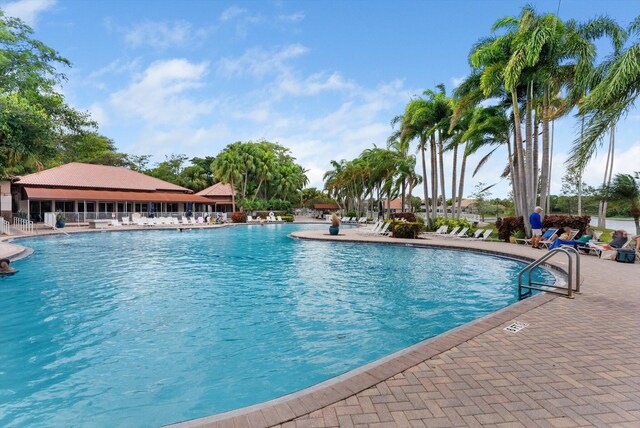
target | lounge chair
[
  {"x": 279, "y": 219},
  {"x": 451, "y": 234},
  {"x": 115, "y": 223},
  {"x": 362, "y": 220},
  {"x": 545, "y": 237},
  {"x": 441, "y": 230},
  {"x": 371, "y": 230},
  {"x": 485, "y": 236},
  {"x": 200, "y": 220},
  {"x": 385, "y": 229},
  {"x": 462, "y": 233},
  {"x": 141, "y": 221},
  {"x": 475, "y": 235}
]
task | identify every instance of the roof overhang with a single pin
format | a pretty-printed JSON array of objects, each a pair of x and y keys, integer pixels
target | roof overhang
[{"x": 43, "y": 193}]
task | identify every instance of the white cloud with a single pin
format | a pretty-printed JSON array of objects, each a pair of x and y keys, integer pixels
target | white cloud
[
  {"x": 27, "y": 10},
  {"x": 163, "y": 35},
  {"x": 259, "y": 62},
  {"x": 231, "y": 13},
  {"x": 456, "y": 81},
  {"x": 159, "y": 93},
  {"x": 99, "y": 114},
  {"x": 294, "y": 17},
  {"x": 313, "y": 84}
]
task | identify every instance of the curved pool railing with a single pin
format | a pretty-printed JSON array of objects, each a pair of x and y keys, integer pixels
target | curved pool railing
[{"x": 551, "y": 288}]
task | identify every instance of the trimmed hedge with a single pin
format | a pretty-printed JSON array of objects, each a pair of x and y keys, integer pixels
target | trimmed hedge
[
  {"x": 239, "y": 217},
  {"x": 410, "y": 217},
  {"x": 511, "y": 225},
  {"x": 265, "y": 214},
  {"x": 405, "y": 229}
]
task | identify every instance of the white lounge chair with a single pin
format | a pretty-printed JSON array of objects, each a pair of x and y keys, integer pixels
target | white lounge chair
[
  {"x": 460, "y": 234},
  {"x": 370, "y": 230},
  {"x": 115, "y": 223},
  {"x": 279, "y": 219},
  {"x": 125, "y": 221},
  {"x": 249, "y": 219},
  {"x": 487, "y": 233},
  {"x": 140, "y": 221},
  {"x": 200, "y": 220},
  {"x": 385, "y": 229},
  {"x": 475, "y": 235},
  {"x": 440, "y": 231},
  {"x": 454, "y": 232}
]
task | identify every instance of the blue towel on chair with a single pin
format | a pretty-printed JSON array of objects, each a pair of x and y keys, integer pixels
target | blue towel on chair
[{"x": 559, "y": 242}]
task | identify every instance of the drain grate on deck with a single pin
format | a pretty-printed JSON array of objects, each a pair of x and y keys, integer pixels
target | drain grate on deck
[{"x": 515, "y": 327}]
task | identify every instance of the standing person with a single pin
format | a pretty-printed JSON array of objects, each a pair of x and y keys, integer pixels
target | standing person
[{"x": 536, "y": 227}]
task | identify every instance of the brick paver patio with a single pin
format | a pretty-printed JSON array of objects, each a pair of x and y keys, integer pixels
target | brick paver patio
[{"x": 577, "y": 363}]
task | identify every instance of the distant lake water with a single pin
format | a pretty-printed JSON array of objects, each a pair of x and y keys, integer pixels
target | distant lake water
[{"x": 627, "y": 225}]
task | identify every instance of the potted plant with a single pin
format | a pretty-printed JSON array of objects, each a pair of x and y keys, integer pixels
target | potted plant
[
  {"x": 59, "y": 220},
  {"x": 335, "y": 224}
]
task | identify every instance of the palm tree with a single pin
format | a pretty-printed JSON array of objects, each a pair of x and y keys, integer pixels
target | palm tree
[{"x": 227, "y": 168}]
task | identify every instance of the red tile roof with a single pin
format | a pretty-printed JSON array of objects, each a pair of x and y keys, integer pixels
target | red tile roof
[
  {"x": 218, "y": 189},
  {"x": 39, "y": 193},
  {"x": 83, "y": 175},
  {"x": 326, "y": 206},
  {"x": 396, "y": 204}
]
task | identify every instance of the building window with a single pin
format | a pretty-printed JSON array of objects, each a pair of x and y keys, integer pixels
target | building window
[
  {"x": 105, "y": 207},
  {"x": 90, "y": 207},
  {"x": 124, "y": 207},
  {"x": 171, "y": 207},
  {"x": 65, "y": 206}
]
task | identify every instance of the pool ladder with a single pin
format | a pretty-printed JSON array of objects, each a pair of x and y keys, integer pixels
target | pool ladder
[{"x": 524, "y": 289}]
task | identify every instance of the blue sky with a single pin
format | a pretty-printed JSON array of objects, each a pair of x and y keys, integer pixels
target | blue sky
[{"x": 323, "y": 78}]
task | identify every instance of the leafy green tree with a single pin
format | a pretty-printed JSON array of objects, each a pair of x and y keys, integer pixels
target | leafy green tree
[
  {"x": 169, "y": 169},
  {"x": 34, "y": 115}
]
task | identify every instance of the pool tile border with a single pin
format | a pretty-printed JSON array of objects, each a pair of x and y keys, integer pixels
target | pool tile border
[{"x": 316, "y": 397}]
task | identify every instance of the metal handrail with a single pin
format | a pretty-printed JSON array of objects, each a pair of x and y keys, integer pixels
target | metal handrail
[{"x": 540, "y": 286}]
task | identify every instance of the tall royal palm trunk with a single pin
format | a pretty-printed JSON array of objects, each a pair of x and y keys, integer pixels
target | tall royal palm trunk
[
  {"x": 521, "y": 183},
  {"x": 534, "y": 170},
  {"x": 453, "y": 181},
  {"x": 545, "y": 170},
  {"x": 442, "y": 183},
  {"x": 463, "y": 167},
  {"x": 531, "y": 185},
  {"x": 233, "y": 195},
  {"x": 602, "y": 212},
  {"x": 425, "y": 186},
  {"x": 434, "y": 178},
  {"x": 580, "y": 172}
]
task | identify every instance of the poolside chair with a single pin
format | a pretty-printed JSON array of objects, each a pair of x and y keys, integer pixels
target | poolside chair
[
  {"x": 115, "y": 223},
  {"x": 362, "y": 220},
  {"x": 200, "y": 220},
  {"x": 125, "y": 221},
  {"x": 249, "y": 219},
  {"x": 545, "y": 237},
  {"x": 547, "y": 240},
  {"x": 192, "y": 220},
  {"x": 140, "y": 221},
  {"x": 441, "y": 230},
  {"x": 370, "y": 230},
  {"x": 385, "y": 229},
  {"x": 475, "y": 235},
  {"x": 279, "y": 219},
  {"x": 485, "y": 236},
  {"x": 451, "y": 234},
  {"x": 597, "y": 234},
  {"x": 462, "y": 233}
]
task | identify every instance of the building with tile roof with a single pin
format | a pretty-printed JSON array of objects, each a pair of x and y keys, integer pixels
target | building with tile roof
[
  {"x": 86, "y": 191},
  {"x": 222, "y": 196}
]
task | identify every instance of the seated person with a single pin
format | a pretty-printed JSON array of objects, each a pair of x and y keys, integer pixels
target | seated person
[
  {"x": 588, "y": 236},
  {"x": 563, "y": 234},
  {"x": 636, "y": 240},
  {"x": 619, "y": 239}
]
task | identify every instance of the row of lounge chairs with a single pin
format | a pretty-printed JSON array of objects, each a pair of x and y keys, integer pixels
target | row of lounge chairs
[
  {"x": 353, "y": 220},
  {"x": 379, "y": 228},
  {"x": 159, "y": 221},
  {"x": 269, "y": 219},
  {"x": 461, "y": 233}
]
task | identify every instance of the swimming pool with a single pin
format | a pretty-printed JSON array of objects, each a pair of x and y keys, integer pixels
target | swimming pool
[{"x": 148, "y": 328}]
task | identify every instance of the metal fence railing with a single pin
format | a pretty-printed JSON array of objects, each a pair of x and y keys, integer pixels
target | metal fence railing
[
  {"x": 74, "y": 217},
  {"x": 5, "y": 227},
  {"x": 23, "y": 224}
]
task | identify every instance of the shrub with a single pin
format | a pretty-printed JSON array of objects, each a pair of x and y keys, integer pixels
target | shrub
[
  {"x": 508, "y": 226},
  {"x": 238, "y": 217},
  {"x": 573, "y": 221},
  {"x": 451, "y": 222},
  {"x": 287, "y": 218},
  {"x": 265, "y": 214},
  {"x": 351, "y": 214},
  {"x": 410, "y": 217},
  {"x": 404, "y": 229},
  {"x": 511, "y": 225}
]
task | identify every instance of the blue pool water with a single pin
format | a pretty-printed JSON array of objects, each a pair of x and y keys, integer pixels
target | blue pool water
[{"x": 148, "y": 328}]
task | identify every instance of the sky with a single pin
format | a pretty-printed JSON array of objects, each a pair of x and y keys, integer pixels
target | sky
[{"x": 322, "y": 78}]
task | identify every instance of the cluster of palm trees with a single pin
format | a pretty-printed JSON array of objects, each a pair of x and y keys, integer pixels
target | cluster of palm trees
[
  {"x": 376, "y": 174},
  {"x": 259, "y": 169},
  {"x": 534, "y": 69}
]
